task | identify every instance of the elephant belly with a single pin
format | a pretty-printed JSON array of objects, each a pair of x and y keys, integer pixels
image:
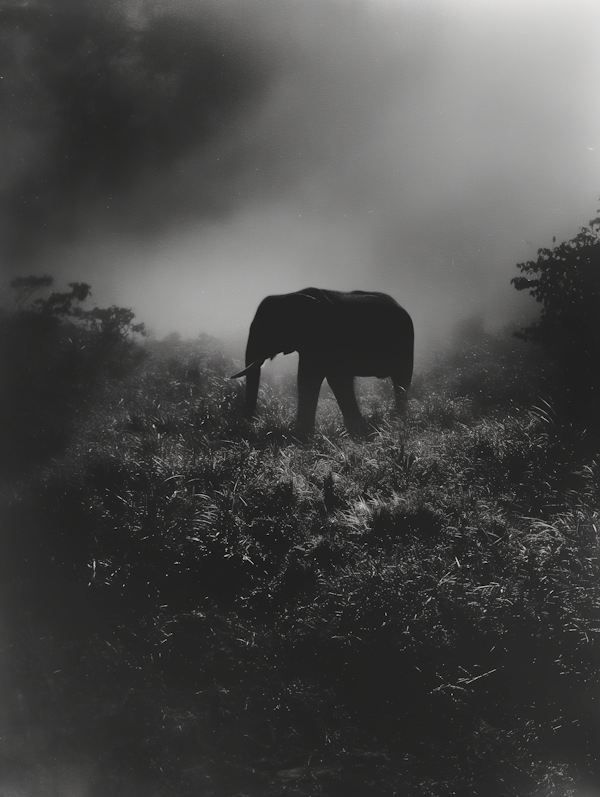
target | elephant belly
[
  {"x": 354, "y": 365},
  {"x": 380, "y": 373}
]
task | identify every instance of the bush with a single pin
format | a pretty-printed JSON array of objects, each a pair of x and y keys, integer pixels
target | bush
[
  {"x": 565, "y": 280},
  {"x": 53, "y": 354}
]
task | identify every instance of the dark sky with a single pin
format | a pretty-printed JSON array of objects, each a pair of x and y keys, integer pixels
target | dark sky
[{"x": 188, "y": 157}]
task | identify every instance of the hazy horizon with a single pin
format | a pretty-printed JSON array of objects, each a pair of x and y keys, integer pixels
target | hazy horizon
[{"x": 188, "y": 158}]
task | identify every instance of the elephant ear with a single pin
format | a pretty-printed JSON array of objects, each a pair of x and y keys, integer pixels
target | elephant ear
[{"x": 306, "y": 320}]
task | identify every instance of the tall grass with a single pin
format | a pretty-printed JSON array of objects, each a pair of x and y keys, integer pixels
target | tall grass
[{"x": 198, "y": 605}]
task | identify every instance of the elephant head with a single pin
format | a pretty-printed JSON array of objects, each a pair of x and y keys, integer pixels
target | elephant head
[
  {"x": 338, "y": 336},
  {"x": 282, "y": 324}
]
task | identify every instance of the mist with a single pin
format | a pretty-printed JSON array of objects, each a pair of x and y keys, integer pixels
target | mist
[{"x": 188, "y": 158}]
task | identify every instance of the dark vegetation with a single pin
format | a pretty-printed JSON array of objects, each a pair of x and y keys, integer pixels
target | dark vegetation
[
  {"x": 196, "y": 605},
  {"x": 54, "y": 357},
  {"x": 565, "y": 280}
]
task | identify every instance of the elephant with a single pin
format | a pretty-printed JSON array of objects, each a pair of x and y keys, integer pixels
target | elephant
[{"x": 338, "y": 335}]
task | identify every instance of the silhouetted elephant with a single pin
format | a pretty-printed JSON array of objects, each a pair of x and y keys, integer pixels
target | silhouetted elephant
[{"x": 338, "y": 336}]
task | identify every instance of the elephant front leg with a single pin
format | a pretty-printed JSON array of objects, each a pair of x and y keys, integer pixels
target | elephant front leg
[
  {"x": 343, "y": 389},
  {"x": 310, "y": 378}
]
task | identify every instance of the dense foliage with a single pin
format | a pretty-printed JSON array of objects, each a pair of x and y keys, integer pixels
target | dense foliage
[
  {"x": 54, "y": 354},
  {"x": 565, "y": 280},
  {"x": 197, "y": 605}
]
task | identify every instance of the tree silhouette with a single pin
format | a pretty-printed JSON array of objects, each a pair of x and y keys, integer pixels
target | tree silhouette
[
  {"x": 53, "y": 355},
  {"x": 565, "y": 280}
]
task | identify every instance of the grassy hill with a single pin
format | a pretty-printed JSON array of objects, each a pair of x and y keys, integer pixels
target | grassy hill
[{"x": 193, "y": 605}]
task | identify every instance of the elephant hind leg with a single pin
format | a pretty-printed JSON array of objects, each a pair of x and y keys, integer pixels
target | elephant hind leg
[{"x": 343, "y": 389}]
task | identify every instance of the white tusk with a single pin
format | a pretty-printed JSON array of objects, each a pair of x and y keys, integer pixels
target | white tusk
[{"x": 252, "y": 367}]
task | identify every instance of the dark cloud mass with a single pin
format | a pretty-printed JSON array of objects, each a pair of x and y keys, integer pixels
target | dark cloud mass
[
  {"x": 188, "y": 156},
  {"x": 159, "y": 112},
  {"x": 98, "y": 101}
]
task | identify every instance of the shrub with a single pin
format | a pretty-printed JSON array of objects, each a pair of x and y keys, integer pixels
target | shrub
[
  {"x": 565, "y": 280},
  {"x": 53, "y": 354}
]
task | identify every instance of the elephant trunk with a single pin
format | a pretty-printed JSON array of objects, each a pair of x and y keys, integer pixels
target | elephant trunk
[
  {"x": 252, "y": 383},
  {"x": 254, "y": 361}
]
